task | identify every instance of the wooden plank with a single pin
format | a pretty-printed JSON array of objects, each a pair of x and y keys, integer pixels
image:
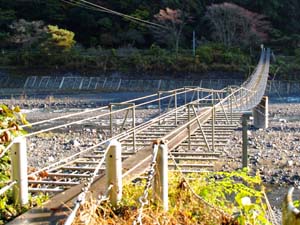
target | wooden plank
[
  {"x": 204, "y": 154},
  {"x": 191, "y": 165}
]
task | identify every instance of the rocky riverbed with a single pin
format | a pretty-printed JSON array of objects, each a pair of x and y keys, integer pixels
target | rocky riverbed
[
  {"x": 48, "y": 147},
  {"x": 274, "y": 152}
]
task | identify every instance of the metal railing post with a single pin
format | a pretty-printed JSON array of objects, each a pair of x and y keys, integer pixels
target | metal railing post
[
  {"x": 19, "y": 171},
  {"x": 198, "y": 97},
  {"x": 241, "y": 98},
  {"x": 133, "y": 126},
  {"x": 185, "y": 97},
  {"x": 160, "y": 189},
  {"x": 111, "y": 120},
  {"x": 189, "y": 127},
  {"x": 159, "y": 103},
  {"x": 175, "y": 106},
  {"x": 245, "y": 118},
  {"x": 231, "y": 107},
  {"x": 213, "y": 123},
  {"x": 159, "y": 106},
  {"x": 228, "y": 100},
  {"x": 114, "y": 171}
]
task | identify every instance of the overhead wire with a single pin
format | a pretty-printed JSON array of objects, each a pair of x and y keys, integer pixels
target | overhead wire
[
  {"x": 83, "y": 5},
  {"x": 122, "y": 14},
  {"x": 96, "y": 7}
]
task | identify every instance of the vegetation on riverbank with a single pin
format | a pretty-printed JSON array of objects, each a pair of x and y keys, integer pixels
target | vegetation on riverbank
[
  {"x": 10, "y": 121},
  {"x": 233, "y": 198},
  {"x": 57, "y": 35},
  {"x": 211, "y": 57}
]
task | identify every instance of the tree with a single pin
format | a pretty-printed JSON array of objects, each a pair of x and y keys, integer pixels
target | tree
[
  {"x": 234, "y": 26},
  {"x": 174, "y": 21},
  {"x": 6, "y": 17},
  {"x": 61, "y": 38},
  {"x": 27, "y": 33}
]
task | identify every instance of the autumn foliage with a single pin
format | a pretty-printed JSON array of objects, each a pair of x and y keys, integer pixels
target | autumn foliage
[
  {"x": 174, "y": 21},
  {"x": 61, "y": 38},
  {"x": 233, "y": 25}
]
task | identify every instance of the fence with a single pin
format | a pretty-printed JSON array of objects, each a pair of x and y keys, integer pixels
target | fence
[
  {"x": 118, "y": 84},
  {"x": 40, "y": 83}
]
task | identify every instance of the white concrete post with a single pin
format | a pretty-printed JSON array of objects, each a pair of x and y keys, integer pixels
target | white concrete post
[
  {"x": 81, "y": 83},
  {"x": 261, "y": 114},
  {"x": 19, "y": 171},
  {"x": 119, "y": 84},
  {"x": 61, "y": 83},
  {"x": 114, "y": 171},
  {"x": 159, "y": 84},
  {"x": 160, "y": 189}
]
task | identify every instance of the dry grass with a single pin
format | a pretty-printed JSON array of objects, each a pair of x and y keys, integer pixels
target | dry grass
[{"x": 184, "y": 208}]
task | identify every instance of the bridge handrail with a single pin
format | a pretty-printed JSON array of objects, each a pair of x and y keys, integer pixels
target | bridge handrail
[
  {"x": 252, "y": 88},
  {"x": 122, "y": 135},
  {"x": 182, "y": 91},
  {"x": 7, "y": 187},
  {"x": 128, "y": 132}
]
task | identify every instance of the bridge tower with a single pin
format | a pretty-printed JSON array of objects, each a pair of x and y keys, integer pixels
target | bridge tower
[{"x": 261, "y": 114}]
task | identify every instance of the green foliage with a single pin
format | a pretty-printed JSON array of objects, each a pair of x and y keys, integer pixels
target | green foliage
[
  {"x": 229, "y": 194},
  {"x": 10, "y": 120},
  {"x": 205, "y": 53},
  {"x": 6, "y": 17},
  {"x": 230, "y": 190},
  {"x": 296, "y": 203},
  {"x": 88, "y": 24},
  {"x": 155, "y": 59},
  {"x": 23, "y": 32},
  {"x": 297, "y": 55},
  {"x": 213, "y": 53},
  {"x": 286, "y": 67}
]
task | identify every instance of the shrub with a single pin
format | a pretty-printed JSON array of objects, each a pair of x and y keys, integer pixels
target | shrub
[{"x": 218, "y": 53}]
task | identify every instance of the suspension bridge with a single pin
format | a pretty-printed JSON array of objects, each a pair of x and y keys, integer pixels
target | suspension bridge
[{"x": 192, "y": 123}]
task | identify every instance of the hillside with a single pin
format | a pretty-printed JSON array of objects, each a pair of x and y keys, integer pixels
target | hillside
[{"x": 143, "y": 36}]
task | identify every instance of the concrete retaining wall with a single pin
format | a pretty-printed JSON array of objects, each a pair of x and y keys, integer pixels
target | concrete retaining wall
[{"x": 282, "y": 88}]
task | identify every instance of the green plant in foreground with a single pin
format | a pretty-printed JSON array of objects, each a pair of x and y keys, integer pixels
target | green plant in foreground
[
  {"x": 223, "y": 198},
  {"x": 10, "y": 120},
  {"x": 237, "y": 193}
]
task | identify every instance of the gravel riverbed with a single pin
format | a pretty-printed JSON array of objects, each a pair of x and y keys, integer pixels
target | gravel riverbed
[{"x": 274, "y": 152}]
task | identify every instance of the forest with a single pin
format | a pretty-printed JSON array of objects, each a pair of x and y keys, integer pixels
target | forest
[{"x": 165, "y": 36}]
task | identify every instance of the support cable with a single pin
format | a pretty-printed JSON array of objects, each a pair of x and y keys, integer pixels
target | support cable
[
  {"x": 100, "y": 8},
  {"x": 82, "y": 196},
  {"x": 143, "y": 199},
  {"x": 222, "y": 212}
]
